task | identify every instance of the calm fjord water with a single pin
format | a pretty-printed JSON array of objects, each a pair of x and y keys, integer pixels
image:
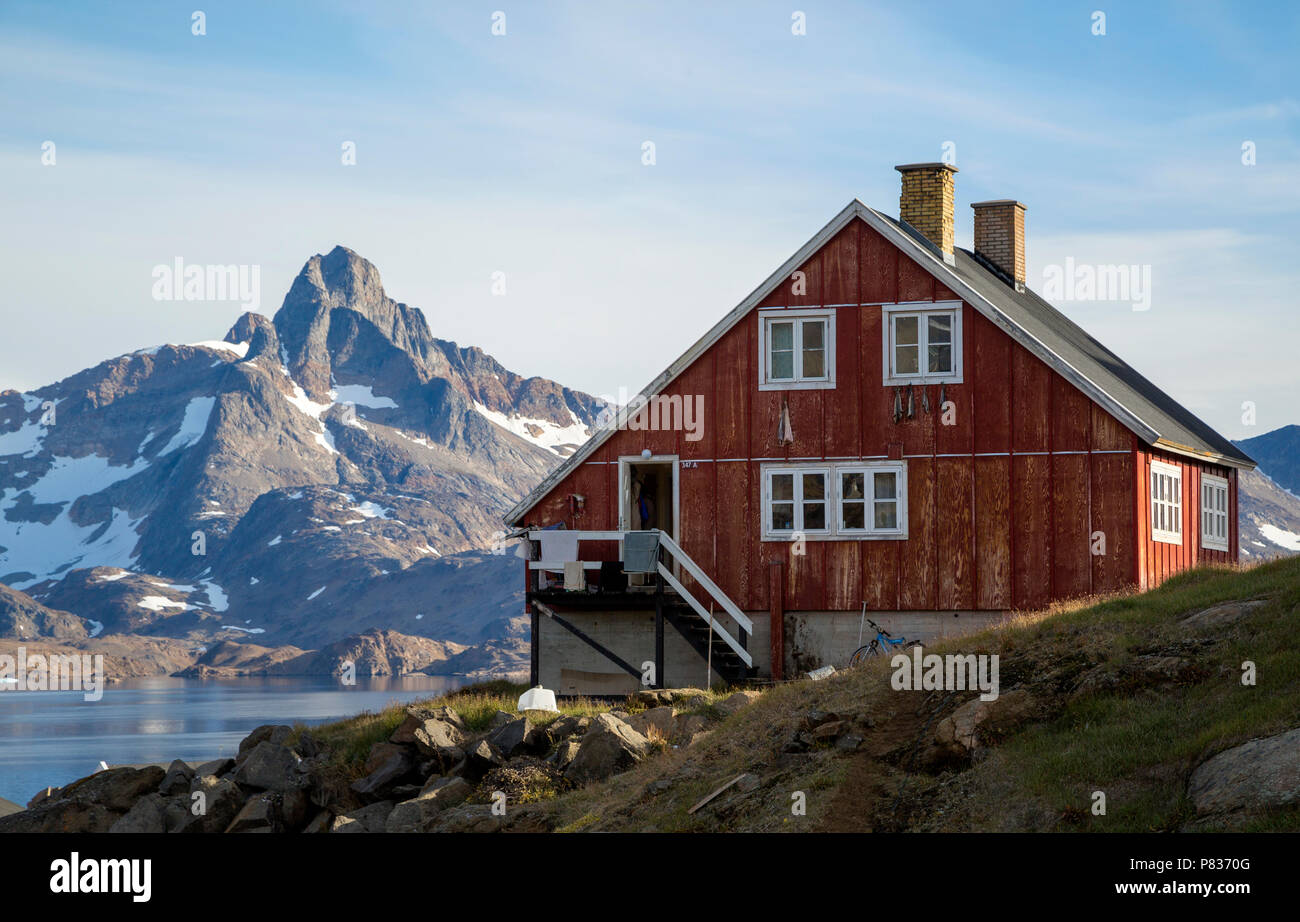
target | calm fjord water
[{"x": 51, "y": 738}]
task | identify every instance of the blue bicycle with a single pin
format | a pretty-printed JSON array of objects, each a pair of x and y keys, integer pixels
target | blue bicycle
[{"x": 884, "y": 642}]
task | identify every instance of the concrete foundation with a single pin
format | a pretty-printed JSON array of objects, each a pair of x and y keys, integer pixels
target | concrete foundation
[
  {"x": 821, "y": 638},
  {"x": 571, "y": 667}
]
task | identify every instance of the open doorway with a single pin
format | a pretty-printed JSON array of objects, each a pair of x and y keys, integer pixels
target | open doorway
[
  {"x": 648, "y": 498},
  {"x": 649, "y": 494}
]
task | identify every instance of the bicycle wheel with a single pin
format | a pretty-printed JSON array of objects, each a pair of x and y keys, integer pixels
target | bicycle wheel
[{"x": 861, "y": 654}]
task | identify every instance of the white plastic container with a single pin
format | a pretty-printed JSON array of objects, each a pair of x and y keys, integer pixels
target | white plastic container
[{"x": 538, "y": 699}]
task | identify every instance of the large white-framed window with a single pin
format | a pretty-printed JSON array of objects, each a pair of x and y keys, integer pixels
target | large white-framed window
[
  {"x": 1166, "y": 503},
  {"x": 796, "y": 349},
  {"x": 921, "y": 342},
  {"x": 1214, "y": 513},
  {"x": 850, "y": 500}
]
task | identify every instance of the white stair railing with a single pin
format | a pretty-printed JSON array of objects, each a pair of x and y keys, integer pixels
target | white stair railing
[{"x": 686, "y": 563}]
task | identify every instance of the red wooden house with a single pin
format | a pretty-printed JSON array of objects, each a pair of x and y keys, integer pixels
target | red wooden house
[{"x": 887, "y": 420}]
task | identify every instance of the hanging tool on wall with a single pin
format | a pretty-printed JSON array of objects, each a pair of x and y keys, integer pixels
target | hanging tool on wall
[
  {"x": 898, "y": 404},
  {"x": 925, "y": 400},
  {"x": 911, "y": 402}
]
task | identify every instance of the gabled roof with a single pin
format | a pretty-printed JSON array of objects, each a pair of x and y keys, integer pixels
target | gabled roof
[{"x": 1151, "y": 414}]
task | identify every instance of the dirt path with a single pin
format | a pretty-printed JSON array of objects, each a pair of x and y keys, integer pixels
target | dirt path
[{"x": 875, "y": 770}]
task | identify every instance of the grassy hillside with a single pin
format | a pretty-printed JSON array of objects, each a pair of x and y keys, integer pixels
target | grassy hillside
[
  {"x": 1133, "y": 733},
  {"x": 1124, "y": 695}
]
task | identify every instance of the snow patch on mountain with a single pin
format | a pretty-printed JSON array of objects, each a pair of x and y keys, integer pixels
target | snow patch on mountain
[
  {"x": 69, "y": 478},
  {"x": 369, "y": 510},
  {"x": 362, "y": 395},
  {"x": 198, "y": 412},
  {"x": 159, "y": 603},
  {"x": 219, "y": 345},
  {"x": 1280, "y": 536},
  {"x": 48, "y": 551},
  {"x": 315, "y": 410},
  {"x": 541, "y": 432},
  {"x": 26, "y": 439},
  {"x": 217, "y": 599}
]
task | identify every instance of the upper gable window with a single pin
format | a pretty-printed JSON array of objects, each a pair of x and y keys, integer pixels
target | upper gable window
[
  {"x": 1214, "y": 513},
  {"x": 796, "y": 349},
  {"x": 1166, "y": 503},
  {"x": 921, "y": 343}
]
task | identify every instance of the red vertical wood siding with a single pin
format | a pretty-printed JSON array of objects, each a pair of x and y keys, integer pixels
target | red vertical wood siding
[{"x": 1006, "y": 505}]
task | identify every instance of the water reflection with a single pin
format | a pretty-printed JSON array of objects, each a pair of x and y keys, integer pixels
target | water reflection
[{"x": 55, "y": 737}]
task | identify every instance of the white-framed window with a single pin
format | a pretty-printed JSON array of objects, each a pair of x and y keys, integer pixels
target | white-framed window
[
  {"x": 1214, "y": 513},
  {"x": 921, "y": 343},
  {"x": 796, "y": 500},
  {"x": 852, "y": 500},
  {"x": 1166, "y": 503},
  {"x": 796, "y": 349}
]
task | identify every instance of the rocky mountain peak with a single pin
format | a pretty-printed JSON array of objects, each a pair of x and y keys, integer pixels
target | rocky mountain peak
[{"x": 336, "y": 311}]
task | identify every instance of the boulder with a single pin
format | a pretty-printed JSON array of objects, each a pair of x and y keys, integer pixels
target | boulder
[
  {"x": 296, "y": 809},
  {"x": 1262, "y": 774},
  {"x": 816, "y": 717},
  {"x": 662, "y": 719},
  {"x": 565, "y": 753},
  {"x": 270, "y": 766},
  {"x": 500, "y": 719},
  {"x": 149, "y": 814},
  {"x": 980, "y": 722},
  {"x": 419, "y": 813},
  {"x": 467, "y": 818},
  {"x": 564, "y": 727},
  {"x": 1221, "y": 615},
  {"x": 115, "y": 788},
  {"x": 415, "y": 815},
  {"x": 448, "y": 714},
  {"x": 481, "y": 758},
  {"x": 690, "y": 725},
  {"x": 739, "y": 700},
  {"x": 307, "y": 745},
  {"x": 216, "y": 767},
  {"x": 449, "y": 792},
  {"x": 388, "y": 767},
  {"x": 427, "y": 733},
  {"x": 221, "y": 801},
  {"x": 177, "y": 780},
  {"x": 261, "y": 813},
  {"x": 511, "y": 739},
  {"x": 60, "y": 816},
  {"x": 1153, "y": 670},
  {"x": 829, "y": 731},
  {"x": 368, "y": 819},
  {"x": 273, "y": 733},
  {"x": 609, "y": 746}
]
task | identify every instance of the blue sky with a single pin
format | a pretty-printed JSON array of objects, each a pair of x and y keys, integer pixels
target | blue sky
[{"x": 522, "y": 154}]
